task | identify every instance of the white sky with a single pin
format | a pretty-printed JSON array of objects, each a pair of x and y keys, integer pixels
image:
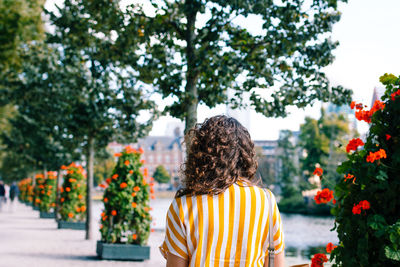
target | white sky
[{"x": 369, "y": 41}]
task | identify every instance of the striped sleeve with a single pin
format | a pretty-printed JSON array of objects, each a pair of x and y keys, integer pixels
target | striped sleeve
[
  {"x": 175, "y": 237},
  {"x": 279, "y": 244}
]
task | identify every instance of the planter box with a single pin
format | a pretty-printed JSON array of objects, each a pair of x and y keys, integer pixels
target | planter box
[
  {"x": 36, "y": 208},
  {"x": 47, "y": 215},
  {"x": 72, "y": 225},
  {"x": 122, "y": 251}
]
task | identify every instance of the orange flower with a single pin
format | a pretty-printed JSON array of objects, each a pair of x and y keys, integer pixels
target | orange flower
[
  {"x": 144, "y": 182},
  {"x": 145, "y": 172},
  {"x": 153, "y": 197},
  {"x": 134, "y": 236},
  {"x": 115, "y": 176},
  {"x": 393, "y": 95},
  {"x": 330, "y": 247},
  {"x": 103, "y": 214},
  {"x": 318, "y": 171},
  {"x": 372, "y": 156},
  {"x": 102, "y": 185},
  {"x": 72, "y": 180},
  {"x": 118, "y": 154},
  {"x": 63, "y": 167},
  {"x": 62, "y": 200},
  {"x": 105, "y": 200},
  {"x": 126, "y": 162},
  {"x": 134, "y": 204},
  {"x": 133, "y": 194},
  {"x": 104, "y": 218},
  {"x": 146, "y": 208},
  {"x": 349, "y": 177},
  {"x": 152, "y": 190},
  {"x": 113, "y": 212},
  {"x": 83, "y": 208},
  {"x": 101, "y": 226},
  {"x": 152, "y": 230},
  {"x": 108, "y": 180},
  {"x": 143, "y": 161},
  {"x": 78, "y": 209},
  {"x": 141, "y": 150},
  {"x": 131, "y": 171},
  {"x": 71, "y": 215},
  {"x": 136, "y": 188},
  {"x": 123, "y": 185},
  {"x": 67, "y": 189}
]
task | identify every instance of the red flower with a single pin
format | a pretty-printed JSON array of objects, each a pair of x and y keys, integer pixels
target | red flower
[
  {"x": 105, "y": 200},
  {"x": 393, "y": 95},
  {"x": 330, "y": 247},
  {"x": 349, "y": 177},
  {"x": 318, "y": 260},
  {"x": 126, "y": 162},
  {"x": 115, "y": 176},
  {"x": 136, "y": 188},
  {"x": 323, "y": 196},
  {"x": 318, "y": 171},
  {"x": 118, "y": 154},
  {"x": 123, "y": 185},
  {"x": 108, "y": 180},
  {"x": 356, "y": 209},
  {"x": 102, "y": 185},
  {"x": 134, "y": 236},
  {"x": 388, "y": 136},
  {"x": 354, "y": 144},
  {"x": 352, "y": 104},
  {"x": 113, "y": 212},
  {"x": 365, "y": 205}
]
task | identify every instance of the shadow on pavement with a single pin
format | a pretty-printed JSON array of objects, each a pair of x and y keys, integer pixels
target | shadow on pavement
[{"x": 58, "y": 256}]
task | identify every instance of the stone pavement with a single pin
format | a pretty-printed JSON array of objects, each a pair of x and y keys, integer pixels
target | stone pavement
[{"x": 27, "y": 240}]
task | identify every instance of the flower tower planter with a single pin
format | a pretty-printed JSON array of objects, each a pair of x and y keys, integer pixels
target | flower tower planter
[
  {"x": 368, "y": 203},
  {"x": 38, "y": 191},
  {"x": 125, "y": 221},
  {"x": 48, "y": 199},
  {"x": 25, "y": 189},
  {"x": 72, "y": 198}
]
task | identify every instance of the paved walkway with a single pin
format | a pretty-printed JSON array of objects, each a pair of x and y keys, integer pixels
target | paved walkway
[{"x": 27, "y": 240}]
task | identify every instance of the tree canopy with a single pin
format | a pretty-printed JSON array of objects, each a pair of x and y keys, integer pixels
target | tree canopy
[
  {"x": 161, "y": 175},
  {"x": 196, "y": 50}
]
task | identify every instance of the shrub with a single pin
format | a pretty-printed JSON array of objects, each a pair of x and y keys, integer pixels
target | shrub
[
  {"x": 161, "y": 175},
  {"x": 73, "y": 194},
  {"x": 126, "y": 218},
  {"x": 368, "y": 206},
  {"x": 48, "y": 193}
]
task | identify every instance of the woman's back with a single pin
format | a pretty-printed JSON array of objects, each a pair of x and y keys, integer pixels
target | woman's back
[{"x": 228, "y": 229}]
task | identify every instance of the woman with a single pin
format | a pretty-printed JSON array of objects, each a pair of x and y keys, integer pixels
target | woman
[{"x": 220, "y": 217}]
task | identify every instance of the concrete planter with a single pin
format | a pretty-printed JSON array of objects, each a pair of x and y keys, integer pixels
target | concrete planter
[
  {"x": 36, "y": 208},
  {"x": 122, "y": 251},
  {"x": 72, "y": 225},
  {"x": 47, "y": 215}
]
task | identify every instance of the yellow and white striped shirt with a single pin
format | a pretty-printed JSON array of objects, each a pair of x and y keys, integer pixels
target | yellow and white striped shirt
[{"x": 229, "y": 229}]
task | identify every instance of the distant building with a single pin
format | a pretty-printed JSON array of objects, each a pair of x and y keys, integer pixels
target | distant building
[
  {"x": 159, "y": 150},
  {"x": 377, "y": 94}
]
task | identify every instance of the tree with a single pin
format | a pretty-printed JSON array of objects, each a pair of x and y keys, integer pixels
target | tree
[
  {"x": 288, "y": 169},
  {"x": 104, "y": 99},
  {"x": 197, "y": 50},
  {"x": 21, "y": 23},
  {"x": 161, "y": 175}
]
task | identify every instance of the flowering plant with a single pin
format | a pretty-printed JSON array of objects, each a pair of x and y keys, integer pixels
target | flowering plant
[
  {"x": 48, "y": 193},
  {"x": 38, "y": 189},
  {"x": 368, "y": 207},
  {"x": 73, "y": 194},
  {"x": 26, "y": 190},
  {"x": 126, "y": 217}
]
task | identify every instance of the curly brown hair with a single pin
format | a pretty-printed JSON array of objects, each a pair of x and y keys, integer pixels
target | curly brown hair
[{"x": 220, "y": 153}]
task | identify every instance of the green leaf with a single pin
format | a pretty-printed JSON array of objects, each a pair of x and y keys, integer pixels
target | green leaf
[
  {"x": 376, "y": 222},
  {"x": 392, "y": 254}
]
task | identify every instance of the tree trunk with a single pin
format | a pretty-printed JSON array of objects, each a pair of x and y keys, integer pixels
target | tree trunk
[
  {"x": 45, "y": 171},
  {"x": 89, "y": 185},
  {"x": 58, "y": 185},
  {"x": 192, "y": 74}
]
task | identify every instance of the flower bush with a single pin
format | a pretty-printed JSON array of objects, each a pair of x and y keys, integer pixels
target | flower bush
[
  {"x": 126, "y": 217},
  {"x": 38, "y": 189},
  {"x": 73, "y": 194},
  {"x": 367, "y": 212},
  {"x": 48, "y": 193}
]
